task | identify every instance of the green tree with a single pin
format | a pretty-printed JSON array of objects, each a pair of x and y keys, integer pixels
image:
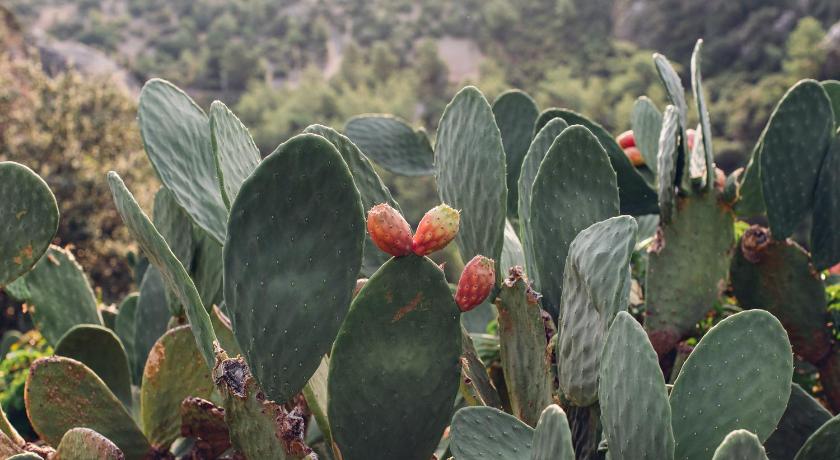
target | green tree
[{"x": 805, "y": 56}]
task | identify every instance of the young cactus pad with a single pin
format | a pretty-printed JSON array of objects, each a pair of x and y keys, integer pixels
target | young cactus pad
[
  {"x": 291, "y": 259},
  {"x": 28, "y": 220},
  {"x": 394, "y": 368}
]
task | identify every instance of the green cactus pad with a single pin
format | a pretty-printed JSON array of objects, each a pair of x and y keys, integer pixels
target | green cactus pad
[
  {"x": 596, "y": 286},
  {"x": 224, "y": 332},
  {"x": 99, "y": 349},
  {"x": 370, "y": 186},
  {"x": 86, "y": 444},
  {"x": 751, "y": 202},
  {"x": 778, "y": 277},
  {"x": 634, "y": 404},
  {"x": 667, "y": 158},
  {"x": 174, "y": 225},
  {"x": 637, "y": 197},
  {"x": 62, "y": 393},
  {"x": 552, "y": 437},
  {"x": 29, "y": 216},
  {"x": 294, "y": 249},
  {"x": 794, "y": 144},
  {"x": 738, "y": 376},
  {"x": 234, "y": 151},
  {"x": 804, "y": 415},
  {"x": 646, "y": 121},
  {"x": 825, "y": 237},
  {"x": 11, "y": 449},
  {"x": 394, "y": 368},
  {"x": 317, "y": 398},
  {"x": 476, "y": 382},
  {"x": 574, "y": 188},
  {"x": 151, "y": 318},
  {"x": 526, "y": 365},
  {"x": 515, "y": 113},
  {"x": 705, "y": 129},
  {"x": 60, "y": 295},
  {"x": 125, "y": 329},
  {"x": 470, "y": 168},
  {"x": 174, "y": 275},
  {"x": 392, "y": 143},
  {"x": 254, "y": 422},
  {"x": 832, "y": 89},
  {"x": 481, "y": 433},
  {"x": 687, "y": 265},
  {"x": 823, "y": 443},
  {"x": 25, "y": 456},
  {"x": 740, "y": 445},
  {"x": 530, "y": 166},
  {"x": 676, "y": 95},
  {"x": 9, "y": 431},
  {"x": 207, "y": 268},
  {"x": 513, "y": 254},
  {"x": 176, "y": 136},
  {"x": 174, "y": 371}
]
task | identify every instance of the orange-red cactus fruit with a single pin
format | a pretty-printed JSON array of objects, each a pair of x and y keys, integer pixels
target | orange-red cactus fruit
[
  {"x": 437, "y": 228},
  {"x": 477, "y": 280},
  {"x": 389, "y": 230}
]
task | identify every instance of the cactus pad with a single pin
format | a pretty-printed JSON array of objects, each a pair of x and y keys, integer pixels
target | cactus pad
[
  {"x": 647, "y": 124},
  {"x": 151, "y": 318},
  {"x": 634, "y": 404},
  {"x": 705, "y": 128},
  {"x": 392, "y": 143},
  {"x": 234, "y": 151},
  {"x": 370, "y": 186},
  {"x": 60, "y": 295},
  {"x": 804, "y": 415},
  {"x": 740, "y": 445},
  {"x": 823, "y": 443},
  {"x": 62, "y": 393},
  {"x": 470, "y": 168},
  {"x": 515, "y": 114},
  {"x": 667, "y": 158},
  {"x": 124, "y": 327},
  {"x": 294, "y": 249},
  {"x": 481, "y": 433},
  {"x": 29, "y": 216},
  {"x": 825, "y": 237},
  {"x": 174, "y": 371},
  {"x": 778, "y": 276},
  {"x": 176, "y": 136},
  {"x": 552, "y": 438},
  {"x": 99, "y": 349},
  {"x": 530, "y": 165},
  {"x": 391, "y": 392},
  {"x": 596, "y": 286},
  {"x": 86, "y": 444},
  {"x": 574, "y": 188},
  {"x": 526, "y": 365},
  {"x": 794, "y": 144},
  {"x": 174, "y": 275},
  {"x": 738, "y": 376}
]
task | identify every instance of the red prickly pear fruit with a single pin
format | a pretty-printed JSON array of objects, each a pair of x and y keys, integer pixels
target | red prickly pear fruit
[
  {"x": 690, "y": 134},
  {"x": 436, "y": 229},
  {"x": 389, "y": 230},
  {"x": 635, "y": 156},
  {"x": 477, "y": 280},
  {"x": 835, "y": 270},
  {"x": 626, "y": 139}
]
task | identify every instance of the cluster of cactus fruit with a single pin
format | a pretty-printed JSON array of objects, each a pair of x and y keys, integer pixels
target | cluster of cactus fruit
[{"x": 270, "y": 324}]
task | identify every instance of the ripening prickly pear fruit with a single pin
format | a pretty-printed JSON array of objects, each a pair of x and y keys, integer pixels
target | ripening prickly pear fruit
[
  {"x": 626, "y": 139},
  {"x": 476, "y": 282},
  {"x": 389, "y": 230},
  {"x": 634, "y": 155},
  {"x": 690, "y": 135},
  {"x": 436, "y": 229}
]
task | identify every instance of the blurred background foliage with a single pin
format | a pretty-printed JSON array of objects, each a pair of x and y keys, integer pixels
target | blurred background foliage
[{"x": 70, "y": 72}]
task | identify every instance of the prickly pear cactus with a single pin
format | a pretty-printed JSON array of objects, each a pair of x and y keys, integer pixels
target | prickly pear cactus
[
  {"x": 740, "y": 444},
  {"x": 100, "y": 350},
  {"x": 825, "y": 239},
  {"x": 234, "y": 151},
  {"x": 574, "y": 188},
  {"x": 778, "y": 276},
  {"x": 479, "y": 433},
  {"x": 552, "y": 438},
  {"x": 29, "y": 216},
  {"x": 823, "y": 443},
  {"x": 391, "y": 391},
  {"x": 634, "y": 403},
  {"x": 515, "y": 113},
  {"x": 86, "y": 444},
  {"x": 596, "y": 286},
  {"x": 470, "y": 157},
  {"x": 291, "y": 260},
  {"x": 62, "y": 394},
  {"x": 746, "y": 349},
  {"x": 647, "y": 124},
  {"x": 392, "y": 143},
  {"x": 804, "y": 415}
]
